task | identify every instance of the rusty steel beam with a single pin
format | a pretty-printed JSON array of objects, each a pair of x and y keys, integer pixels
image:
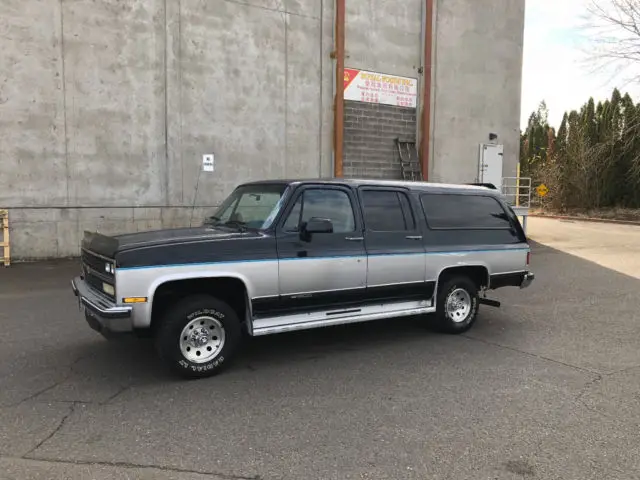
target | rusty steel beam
[
  {"x": 338, "y": 122},
  {"x": 425, "y": 137}
]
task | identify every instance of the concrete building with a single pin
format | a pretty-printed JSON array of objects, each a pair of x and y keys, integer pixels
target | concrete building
[{"x": 107, "y": 107}]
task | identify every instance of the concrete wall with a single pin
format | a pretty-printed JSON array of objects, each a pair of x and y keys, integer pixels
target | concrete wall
[
  {"x": 476, "y": 78},
  {"x": 106, "y": 107},
  {"x": 384, "y": 36},
  {"x": 476, "y": 84}
]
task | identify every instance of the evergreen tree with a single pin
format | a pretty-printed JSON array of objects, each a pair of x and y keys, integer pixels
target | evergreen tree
[{"x": 592, "y": 161}]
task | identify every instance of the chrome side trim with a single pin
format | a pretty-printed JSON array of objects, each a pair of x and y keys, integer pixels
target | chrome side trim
[{"x": 305, "y": 321}]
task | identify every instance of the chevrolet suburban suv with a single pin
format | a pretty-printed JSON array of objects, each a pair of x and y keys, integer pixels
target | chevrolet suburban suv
[{"x": 278, "y": 256}]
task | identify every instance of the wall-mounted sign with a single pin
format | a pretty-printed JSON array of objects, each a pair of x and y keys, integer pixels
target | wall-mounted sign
[
  {"x": 372, "y": 87},
  {"x": 208, "y": 164}
]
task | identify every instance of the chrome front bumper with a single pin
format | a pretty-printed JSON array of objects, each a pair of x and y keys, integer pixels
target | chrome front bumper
[
  {"x": 527, "y": 279},
  {"x": 102, "y": 314}
]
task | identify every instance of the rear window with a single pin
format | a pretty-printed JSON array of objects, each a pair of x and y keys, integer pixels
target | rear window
[{"x": 466, "y": 212}]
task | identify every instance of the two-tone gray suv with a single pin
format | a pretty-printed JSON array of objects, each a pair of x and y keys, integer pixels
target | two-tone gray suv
[{"x": 279, "y": 256}]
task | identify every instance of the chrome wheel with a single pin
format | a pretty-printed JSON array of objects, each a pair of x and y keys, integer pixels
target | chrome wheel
[
  {"x": 458, "y": 305},
  {"x": 202, "y": 339}
]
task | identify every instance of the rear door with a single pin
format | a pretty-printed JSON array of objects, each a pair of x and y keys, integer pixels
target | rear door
[{"x": 395, "y": 250}]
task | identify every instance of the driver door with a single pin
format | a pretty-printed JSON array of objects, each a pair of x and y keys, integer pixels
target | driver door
[{"x": 326, "y": 270}]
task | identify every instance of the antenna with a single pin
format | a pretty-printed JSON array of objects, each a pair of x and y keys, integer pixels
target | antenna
[{"x": 195, "y": 198}]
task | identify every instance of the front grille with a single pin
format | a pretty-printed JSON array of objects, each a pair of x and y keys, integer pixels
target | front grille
[{"x": 93, "y": 268}]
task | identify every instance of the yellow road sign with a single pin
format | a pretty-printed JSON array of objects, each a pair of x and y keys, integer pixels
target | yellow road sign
[{"x": 542, "y": 189}]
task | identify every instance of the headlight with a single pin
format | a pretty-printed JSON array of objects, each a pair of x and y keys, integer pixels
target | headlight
[
  {"x": 108, "y": 289},
  {"x": 109, "y": 268}
]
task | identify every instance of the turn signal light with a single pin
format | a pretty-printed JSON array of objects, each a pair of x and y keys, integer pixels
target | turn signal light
[
  {"x": 528, "y": 257},
  {"x": 135, "y": 300}
]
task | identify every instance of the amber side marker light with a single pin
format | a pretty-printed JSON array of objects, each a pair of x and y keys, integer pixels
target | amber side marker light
[{"x": 135, "y": 300}]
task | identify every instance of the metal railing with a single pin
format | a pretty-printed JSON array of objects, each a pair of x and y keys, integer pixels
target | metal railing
[{"x": 517, "y": 191}]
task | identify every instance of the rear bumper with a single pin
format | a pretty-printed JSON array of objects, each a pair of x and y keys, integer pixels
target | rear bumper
[
  {"x": 520, "y": 279},
  {"x": 527, "y": 279},
  {"x": 102, "y": 314}
]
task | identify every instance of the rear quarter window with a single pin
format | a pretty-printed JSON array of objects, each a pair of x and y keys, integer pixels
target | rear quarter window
[
  {"x": 457, "y": 219},
  {"x": 464, "y": 212}
]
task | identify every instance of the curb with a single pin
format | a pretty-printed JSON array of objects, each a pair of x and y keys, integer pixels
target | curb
[{"x": 587, "y": 219}]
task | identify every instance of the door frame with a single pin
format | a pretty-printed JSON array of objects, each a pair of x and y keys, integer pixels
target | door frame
[
  {"x": 402, "y": 290},
  {"x": 322, "y": 299}
]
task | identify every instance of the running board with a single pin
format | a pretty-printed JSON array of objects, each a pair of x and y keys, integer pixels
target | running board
[{"x": 305, "y": 321}]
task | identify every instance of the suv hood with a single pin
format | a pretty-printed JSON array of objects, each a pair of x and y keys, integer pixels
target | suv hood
[{"x": 108, "y": 246}]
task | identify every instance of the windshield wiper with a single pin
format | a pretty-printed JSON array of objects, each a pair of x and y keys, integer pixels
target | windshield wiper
[{"x": 242, "y": 226}]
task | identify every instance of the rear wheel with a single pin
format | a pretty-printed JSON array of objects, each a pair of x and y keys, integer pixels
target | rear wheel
[
  {"x": 457, "y": 304},
  {"x": 198, "y": 336}
]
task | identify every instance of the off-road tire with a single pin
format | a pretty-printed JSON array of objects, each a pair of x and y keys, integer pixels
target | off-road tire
[
  {"x": 169, "y": 335},
  {"x": 456, "y": 323}
]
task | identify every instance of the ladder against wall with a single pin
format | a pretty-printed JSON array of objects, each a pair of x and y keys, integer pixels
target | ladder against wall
[
  {"x": 4, "y": 238},
  {"x": 410, "y": 166}
]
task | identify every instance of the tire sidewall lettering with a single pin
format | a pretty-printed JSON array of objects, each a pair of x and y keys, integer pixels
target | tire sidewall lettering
[
  {"x": 206, "y": 312},
  {"x": 202, "y": 367}
]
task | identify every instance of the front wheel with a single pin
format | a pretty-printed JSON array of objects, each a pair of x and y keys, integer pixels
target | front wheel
[
  {"x": 457, "y": 304},
  {"x": 198, "y": 336}
]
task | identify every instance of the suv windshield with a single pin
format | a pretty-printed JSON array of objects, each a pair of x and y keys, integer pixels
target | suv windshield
[{"x": 252, "y": 206}]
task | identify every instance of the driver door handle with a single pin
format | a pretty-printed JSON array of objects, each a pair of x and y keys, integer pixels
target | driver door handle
[
  {"x": 413, "y": 237},
  {"x": 354, "y": 239}
]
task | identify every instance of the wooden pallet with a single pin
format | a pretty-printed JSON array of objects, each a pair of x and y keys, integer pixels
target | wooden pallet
[{"x": 4, "y": 243}]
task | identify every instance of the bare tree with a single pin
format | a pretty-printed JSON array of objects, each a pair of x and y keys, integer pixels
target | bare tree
[{"x": 613, "y": 28}]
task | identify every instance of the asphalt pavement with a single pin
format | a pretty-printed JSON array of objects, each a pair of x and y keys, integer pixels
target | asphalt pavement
[{"x": 546, "y": 387}]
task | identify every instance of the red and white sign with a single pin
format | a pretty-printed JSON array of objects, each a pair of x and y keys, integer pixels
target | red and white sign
[{"x": 372, "y": 87}]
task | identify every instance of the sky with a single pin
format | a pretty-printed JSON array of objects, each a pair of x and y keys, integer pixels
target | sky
[{"x": 555, "y": 66}]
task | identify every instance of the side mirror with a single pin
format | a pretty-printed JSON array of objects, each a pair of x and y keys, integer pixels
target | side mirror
[{"x": 316, "y": 225}]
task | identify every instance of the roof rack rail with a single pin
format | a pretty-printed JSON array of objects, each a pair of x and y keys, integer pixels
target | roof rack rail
[{"x": 487, "y": 185}]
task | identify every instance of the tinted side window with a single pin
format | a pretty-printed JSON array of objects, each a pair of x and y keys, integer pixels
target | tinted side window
[
  {"x": 463, "y": 212},
  {"x": 324, "y": 203},
  {"x": 384, "y": 212}
]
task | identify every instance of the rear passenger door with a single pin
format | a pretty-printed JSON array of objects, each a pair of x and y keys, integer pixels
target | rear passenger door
[{"x": 393, "y": 241}]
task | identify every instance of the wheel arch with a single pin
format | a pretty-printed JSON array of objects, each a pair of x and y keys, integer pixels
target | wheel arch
[
  {"x": 231, "y": 288},
  {"x": 478, "y": 272}
]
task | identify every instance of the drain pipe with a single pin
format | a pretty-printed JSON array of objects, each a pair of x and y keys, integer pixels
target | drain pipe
[
  {"x": 338, "y": 119},
  {"x": 425, "y": 137}
]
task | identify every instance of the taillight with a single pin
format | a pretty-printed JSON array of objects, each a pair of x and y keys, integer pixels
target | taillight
[{"x": 528, "y": 257}]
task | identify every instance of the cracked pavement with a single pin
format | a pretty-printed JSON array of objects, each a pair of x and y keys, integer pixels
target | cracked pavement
[{"x": 544, "y": 387}]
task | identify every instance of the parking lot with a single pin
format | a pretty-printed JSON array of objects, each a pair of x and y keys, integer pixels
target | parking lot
[{"x": 544, "y": 387}]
